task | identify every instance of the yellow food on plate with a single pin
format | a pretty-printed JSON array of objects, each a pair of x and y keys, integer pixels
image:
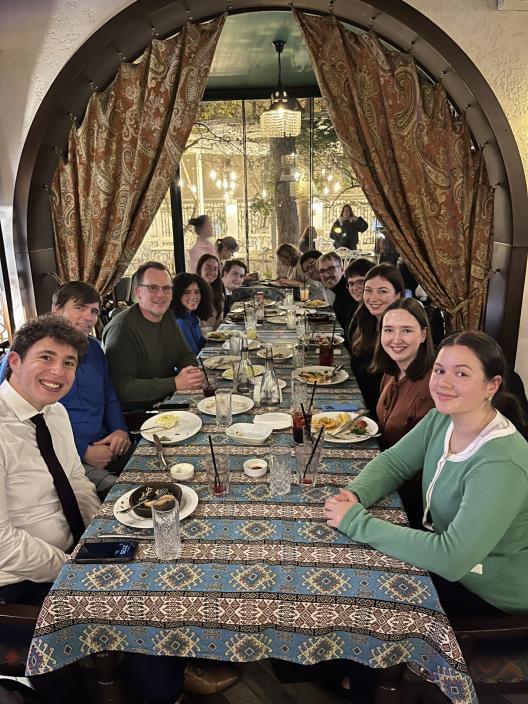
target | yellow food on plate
[
  {"x": 166, "y": 421},
  {"x": 162, "y": 499},
  {"x": 330, "y": 423},
  {"x": 312, "y": 377},
  {"x": 316, "y": 303}
]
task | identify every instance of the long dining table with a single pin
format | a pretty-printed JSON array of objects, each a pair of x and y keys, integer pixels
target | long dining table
[{"x": 259, "y": 576}]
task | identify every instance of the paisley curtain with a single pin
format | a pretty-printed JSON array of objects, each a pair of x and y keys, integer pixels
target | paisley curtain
[
  {"x": 414, "y": 159},
  {"x": 122, "y": 159}
]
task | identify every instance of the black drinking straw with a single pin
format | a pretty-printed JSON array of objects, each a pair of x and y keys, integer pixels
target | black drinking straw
[
  {"x": 333, "y": 333},
  {"x": 314, "y": 448},
  {"x": 203, "y": 367},
  {"x": 308, "y": 429},
  {"x": 217, "y": 478},
  {"x": 312, "y": 397}
]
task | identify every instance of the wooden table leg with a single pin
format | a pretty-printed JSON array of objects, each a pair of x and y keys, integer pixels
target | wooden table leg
[
  {"x": 110, "y": 687},
  {"x": 389, "y": 686}
]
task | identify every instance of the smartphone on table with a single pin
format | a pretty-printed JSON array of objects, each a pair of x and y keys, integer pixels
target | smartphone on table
[{"x": 110, "y": 551}]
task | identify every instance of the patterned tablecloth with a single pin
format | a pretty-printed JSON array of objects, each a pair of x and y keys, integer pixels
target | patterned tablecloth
[{"x": 259, "y": 576}]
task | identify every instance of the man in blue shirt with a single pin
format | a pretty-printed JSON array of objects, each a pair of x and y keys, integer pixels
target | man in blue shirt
[{"x": 99, "y": 428}]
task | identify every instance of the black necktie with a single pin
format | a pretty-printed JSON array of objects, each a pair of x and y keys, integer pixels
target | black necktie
[{"x": 60, "y": 480}]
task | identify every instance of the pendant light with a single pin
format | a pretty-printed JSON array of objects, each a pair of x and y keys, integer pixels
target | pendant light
[{"x": 283, "y": 118}]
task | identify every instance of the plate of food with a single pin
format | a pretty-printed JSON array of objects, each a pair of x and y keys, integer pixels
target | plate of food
[
  {"x": 239, "y": 404},
  {"x": 280, "y": 353},
  {"x": 324, "y": 376},
  {"x": 171, "y": 427},
  {"x": 188, "y": 502},
  {"x": 276, "y": 319},
  {"x": 343, "y": 427},
  {"x": 320, "y": 337},
  {"x": 316, "y": 303},
  {"x": 252, "y": 345},
  {"x": 236, "y": 317},
  {"x": 258, "y": 369},
  {"x": 217, "y": 336},
  {"x": 223, "y": 361}
]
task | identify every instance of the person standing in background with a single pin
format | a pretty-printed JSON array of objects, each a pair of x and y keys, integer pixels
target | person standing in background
[
  {"x": 203, "y": 245},
  {"x": 345, "y": 230},
  {"x": 226, "y": 248}
]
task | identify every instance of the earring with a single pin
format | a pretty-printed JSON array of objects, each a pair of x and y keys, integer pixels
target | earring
[{"x": 490, "y": 397}]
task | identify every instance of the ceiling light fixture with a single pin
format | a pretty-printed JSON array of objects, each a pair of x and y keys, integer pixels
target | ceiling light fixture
[{"x": 283, "y": 118}]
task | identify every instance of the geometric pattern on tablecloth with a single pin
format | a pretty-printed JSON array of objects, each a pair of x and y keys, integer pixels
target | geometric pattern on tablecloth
[
  {"x": 319, "y": 648},
  {"x": 389, "y": 654},
  {"x": 319, "y": 532},
  {"x": 326, "y": 581},
  {"x": 253, "y": 578},
  {"x": 195, "y": 528},
  {"x": 404, "y": 587},
  {"x": 255, "y": 530},
  {"x": 179, "y": 576},
  {"x": 41, "y": 658},
  {"x": 181, "y": 642},
  {"x": 106, "y": 576},
  {"x": 99, "y": 637},
  {"x": 247, "y": 648}
]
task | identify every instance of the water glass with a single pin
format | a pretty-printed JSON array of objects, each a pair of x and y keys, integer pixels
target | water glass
[
  {"x": 299, "y": 392},
  {"x": 223, "y": 398},
  {"x": 304, "y": 293},
  {"x": 235, "y": 343},
  {"x": 298, "y": 355},
  {"x": 288, "y": 299},
  {"x": 166, "y": 520},
  {"x": 251, "y": 322},
  {"x": 307, "y": 464},
  {"x": 300, "y": 328},
  {"x": 291, "y": 319},
  {"x": 218, "y": 481},
  {"x": 280, "y": 470}
]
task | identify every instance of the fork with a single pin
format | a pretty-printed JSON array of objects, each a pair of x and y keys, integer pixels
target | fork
[
  {"x": 149, "y": 496},
  {"x": 344, "y": 428}
]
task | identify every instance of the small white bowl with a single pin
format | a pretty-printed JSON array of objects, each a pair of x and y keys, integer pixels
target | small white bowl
[
  {"x": 249, "y": 433},
  {"x": 182, "y": 471},
  {"x": 255, "y": 467}
]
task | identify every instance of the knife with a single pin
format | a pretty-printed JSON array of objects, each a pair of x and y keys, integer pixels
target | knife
[
  {"x": 171, "y": 405},
  {"x": 159, "y": 450}
]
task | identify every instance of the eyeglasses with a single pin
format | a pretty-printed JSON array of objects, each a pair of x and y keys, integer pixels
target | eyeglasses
[
  {"x": 329, "y": 270},
  {"x": 154, "y": 289},
  {"x": 356, "y": 283}
]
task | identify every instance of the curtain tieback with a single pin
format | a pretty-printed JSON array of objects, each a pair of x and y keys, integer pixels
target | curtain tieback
[{"x": 473, "y": 292}]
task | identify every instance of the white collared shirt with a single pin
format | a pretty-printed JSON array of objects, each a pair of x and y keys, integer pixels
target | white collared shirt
[{"x": 34, "y": 532}]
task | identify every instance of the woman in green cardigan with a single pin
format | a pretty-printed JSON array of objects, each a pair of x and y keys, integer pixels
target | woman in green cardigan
[{"x": 474, "y": 455}]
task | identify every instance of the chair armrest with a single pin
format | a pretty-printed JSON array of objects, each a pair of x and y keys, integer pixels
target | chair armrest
[
  {"x": 488, "y": 627},
  {"x": 18, "y": 614}
]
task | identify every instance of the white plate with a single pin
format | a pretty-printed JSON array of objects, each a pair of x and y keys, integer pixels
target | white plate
[
  {"x": 372, "y": 428},
  {"x": 223, "y": 361},
  {"x": 239, "y": 404},
  {"x": 249, "y": 433},
  {"x": 285, "y": 352},
  {"x": 277, "y": 319},
  {"x": 258, "y": 369},
  {"x": 314, "y": 340},
  {"x": 276, "y": 421},
  {"x": 339, "y": 378},
  {"x": 188, "y": 504},
  {"x": 320, "y": 304},
  {"x": 188, "y": 425},
  {"x": 252, "y": 345}
]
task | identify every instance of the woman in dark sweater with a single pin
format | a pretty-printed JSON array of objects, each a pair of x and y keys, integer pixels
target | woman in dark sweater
[
  {"x": 345, "y": 230},
  {"x": 191, "y": 302}
]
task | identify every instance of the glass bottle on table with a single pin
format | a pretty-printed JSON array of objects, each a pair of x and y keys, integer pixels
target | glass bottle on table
[
  {"x": 270, "y": 395},
  {"x": 243, "y": 376}
]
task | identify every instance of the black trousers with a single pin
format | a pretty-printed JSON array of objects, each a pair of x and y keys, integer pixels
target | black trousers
[{"x": 156, "y": 679}]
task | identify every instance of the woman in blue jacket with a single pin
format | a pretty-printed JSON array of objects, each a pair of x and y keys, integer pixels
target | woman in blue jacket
[{"x": 191, "y": 302}]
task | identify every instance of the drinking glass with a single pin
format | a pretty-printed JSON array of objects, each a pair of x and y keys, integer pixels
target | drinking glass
[
  {"x": 280, "y": 470},
  {"x": 304, "y": 293},
  {"x": 326, "y": 353},
  {"x": 299, "y": 398},
  {"x": 210, "y": 384},
  {"x": 235, "y": 343},
  {"x": 290, "y": 318},
  {"x": 288, "y": 299},
  {"x": 300, "y": 328},
  {"x": 298, "y": 355},
  {"x": 166, "y": 521},
  {"x": 223, "y": 398},
  {"x": 307, "y": 462},
  {"x": 251, "y": 322},
  {"x": 218, "y": 481}
]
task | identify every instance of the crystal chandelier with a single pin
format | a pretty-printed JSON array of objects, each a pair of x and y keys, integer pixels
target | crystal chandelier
[{"x": 283, "y": 118}]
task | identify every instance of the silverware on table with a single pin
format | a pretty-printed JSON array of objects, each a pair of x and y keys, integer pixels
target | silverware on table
[
  {"x": 124, "y": 536},
  {"x": 149, "y": 495},
  {"x": 147, "y": 430},
  {"x": 159, "y": 450}
]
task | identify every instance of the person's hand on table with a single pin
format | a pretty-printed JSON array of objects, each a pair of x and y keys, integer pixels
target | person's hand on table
[
  {"x": 188, "y": 379},
  {"x": 98, "y": 455},
  {"x": 118, "y": 442},
  {"x": 337, "y": 506}
]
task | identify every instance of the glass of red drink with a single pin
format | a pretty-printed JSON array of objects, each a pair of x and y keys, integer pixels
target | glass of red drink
[{"x": 326, "y": 354}]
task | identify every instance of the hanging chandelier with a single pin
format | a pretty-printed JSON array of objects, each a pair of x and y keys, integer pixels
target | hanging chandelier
[{"x": 283, "y": 118}]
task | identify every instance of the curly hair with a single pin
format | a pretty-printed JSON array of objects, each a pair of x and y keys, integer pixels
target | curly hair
[
  {"x": 49, "y": 325},
  {"x": 183, "y": 281}
]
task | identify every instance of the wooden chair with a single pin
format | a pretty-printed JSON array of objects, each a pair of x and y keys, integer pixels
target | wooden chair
[
  {"x": 13, "y": 657},
  {"x": 496, "y": 652}
]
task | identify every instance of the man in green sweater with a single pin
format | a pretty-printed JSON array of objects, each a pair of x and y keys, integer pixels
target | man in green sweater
[{"x": 147, "y": 354}]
